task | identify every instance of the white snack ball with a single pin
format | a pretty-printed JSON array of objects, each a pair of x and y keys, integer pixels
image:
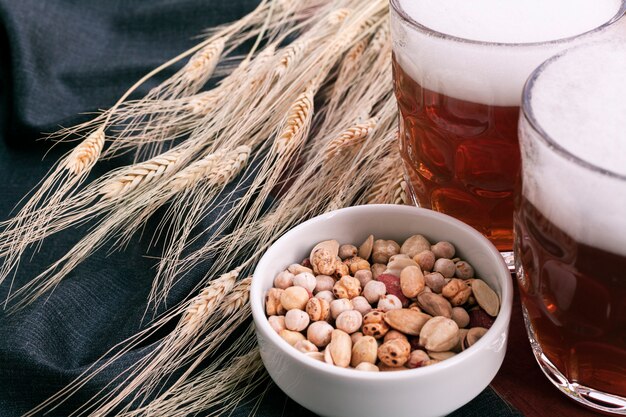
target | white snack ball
[
  {"x": 305, "y": 280},
  {"x": 389, "y": 302},
  {"x": 349, "y": 321},
  {"x": 296, "y": 320},
  {"x": 323, "y": 283},
  {"x": 284, "y": 280},
  {"x": 361, "y": 305},
  {"x": 319, "y": 333},
  {"x": 339, "y": 306},
  {"x": 325, "y": 295},
  {"x": 277, "y": 323},
  {"x": 373, "y": 291}
]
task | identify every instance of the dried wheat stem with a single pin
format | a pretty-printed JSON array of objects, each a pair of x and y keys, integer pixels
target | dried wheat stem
[
  {"x": 85, "y": 155},
  {"x": 338, "y": 16},
  {"x": 350, "y": 138},
  {"x": 142, "y": 173}
]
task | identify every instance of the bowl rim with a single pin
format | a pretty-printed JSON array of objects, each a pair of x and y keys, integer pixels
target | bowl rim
[{"x": 499, "y": 326}]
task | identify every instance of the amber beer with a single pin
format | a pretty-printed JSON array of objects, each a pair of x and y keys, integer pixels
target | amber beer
[
  {"x": 463, "y": 157},
  {"x": 458, "y": 81},
  {"x": 570, "y": 222}
]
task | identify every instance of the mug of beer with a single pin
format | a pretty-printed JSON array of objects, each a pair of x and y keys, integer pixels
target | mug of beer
[
  {"x": 459, "y": 70},
  {"x": 570, "y": 222}
]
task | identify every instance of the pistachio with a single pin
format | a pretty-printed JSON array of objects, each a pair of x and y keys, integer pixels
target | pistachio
[
  {"x": 456, "y": 291},
  {"x": 417, "y": 358},
  {"x": 347, "y": 287},
  {"x": 441, "y": 356},
  {"x": 319, "y": 333},
  {"x": 373, "y": 291},
  {"x": 284, "y": 280},
  {"x": 439, "y": 334},
  {"x": 474, "y": 335},
  {"x": 383, "y": 250},
  {"x": 443, "y": 250},
  {"x": 434, "y": 304},
  {"x": 340, "y": 348},
  {"x": 445, "y": 267},
  {"x": 323, "y": 283},
  {"x": 364, "y": 350},
  {"x": 273, "y": 306},
  {"x": 339, "y": 306},
  {"x": 349, "y": 321},
  {"x": 365, "y": 250},
  {"x": 414, "y": 245},
  {"x": 318, "y": 309},
  {"x": 399, "y": 256},
  {"x": 395, "y": 352},
  {"x": 332, "y": 246},
  {"x": 407, "y": 321},
  {"x": 377, "y": 269},
  {"x": 305, "y": 346},
  {"x": 356, "y": 264},
  {"x": 305, "y": 280},
  {"x": 459, "y": 347},
  {"x": 291, "y": 337},
  {"x": 425, "y": 259},
  {"x": 294, "y": 297},
  {"x": 367, "y": 367},
  {"x": 296, "y": 320},
  {"x": 347, "y": 251},
  {"x": 411, "y": 281},
  {"x": 318, "y": 356},
  {"x": 460, "y": 316},
  {"x": 486, "y": 298},
  {"x": 463, "y": 270}
]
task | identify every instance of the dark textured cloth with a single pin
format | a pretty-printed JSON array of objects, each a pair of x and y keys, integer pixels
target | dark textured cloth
[{"x": 58, "y": 59}]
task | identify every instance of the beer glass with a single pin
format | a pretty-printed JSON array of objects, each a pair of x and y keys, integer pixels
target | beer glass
[
  {"x": 570, "y": 222},
  {"x": 459, "y": 68}
]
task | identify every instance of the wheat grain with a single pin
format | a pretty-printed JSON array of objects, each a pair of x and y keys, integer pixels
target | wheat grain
[
  {"x": 291, "y": 54},
  {"x": 202, "y": 64},
  {"x": 85, "y": 155},
  {"x": 141, "y": 174},
  {"x": 350, "y": 138},
  {"x": 206, "y": 302},
  {"x": 238, "y": 297},
  {"x": 338, "y": 16},
  {"x": 203, "y": 103},
  {"x": 218, "y": 168},
  {"x": 298, "y": 119}
]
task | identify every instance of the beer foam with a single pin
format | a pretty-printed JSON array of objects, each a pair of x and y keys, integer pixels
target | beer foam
[
  {"x": 579, "y": 100},
  {"x": 494, "y": 72}
]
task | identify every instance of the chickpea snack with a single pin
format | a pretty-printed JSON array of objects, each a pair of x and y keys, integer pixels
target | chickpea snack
[{"x": 386, "y": 288}]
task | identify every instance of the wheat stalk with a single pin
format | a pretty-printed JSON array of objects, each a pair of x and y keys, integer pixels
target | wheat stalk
[
  {"x": 291, "y": 54},
  {"x": 298, "y": 119},
  {"x": 202, "y": 64},
  {"x": 206, "y": 302}
]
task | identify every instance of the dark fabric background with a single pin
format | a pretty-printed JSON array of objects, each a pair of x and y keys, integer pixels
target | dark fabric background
[{"x": 58, "y": 59}]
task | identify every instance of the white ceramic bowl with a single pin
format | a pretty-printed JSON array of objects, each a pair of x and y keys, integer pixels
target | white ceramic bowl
[{"x": 435, "y": 390}]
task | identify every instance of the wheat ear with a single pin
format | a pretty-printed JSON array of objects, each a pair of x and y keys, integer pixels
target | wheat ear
[{"x": 350, "y": 138}]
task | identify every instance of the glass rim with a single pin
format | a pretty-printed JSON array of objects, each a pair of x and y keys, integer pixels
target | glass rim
[
  {"x": 397, "y": 8},
  {"x": 529, "y": 115}
]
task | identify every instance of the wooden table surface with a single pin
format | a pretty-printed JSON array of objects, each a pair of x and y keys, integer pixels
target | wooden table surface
[{"x": 522, "y": 383}]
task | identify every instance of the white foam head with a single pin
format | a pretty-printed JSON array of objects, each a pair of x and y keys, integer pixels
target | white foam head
[
  {"x": 484, "y": 50},
  {"x": 579, "y": 100}
]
